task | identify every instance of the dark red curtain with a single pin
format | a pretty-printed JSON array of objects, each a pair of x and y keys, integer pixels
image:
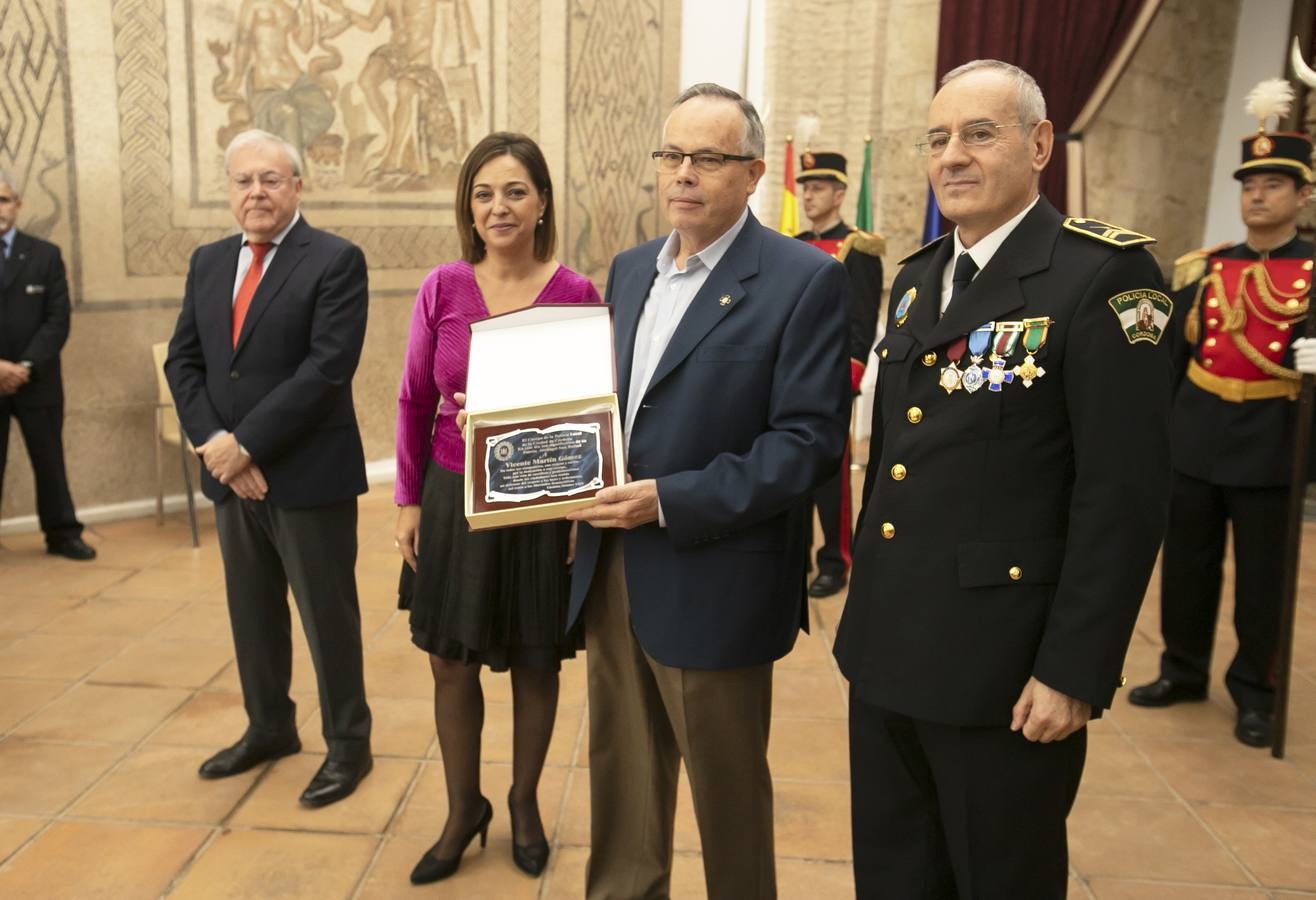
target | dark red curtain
[{"x": 1065, "y": 44}]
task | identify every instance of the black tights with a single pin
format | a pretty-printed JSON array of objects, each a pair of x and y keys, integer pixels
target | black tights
[{"x": 459, "y": 719}]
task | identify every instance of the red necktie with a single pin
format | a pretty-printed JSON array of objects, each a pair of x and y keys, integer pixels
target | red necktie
[{"x": 248, "y": 288}]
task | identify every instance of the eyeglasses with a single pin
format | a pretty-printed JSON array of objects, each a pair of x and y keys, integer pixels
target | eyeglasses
[
  {"x": 269, "y": 181},
  {"x": 974, "y": 137},
  {"x": 705, "y": 162}
]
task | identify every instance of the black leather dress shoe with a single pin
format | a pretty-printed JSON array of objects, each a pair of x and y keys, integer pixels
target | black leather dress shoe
[
  {"x": 826, "y": 584},
  {"x": 73, "y": 548},
  {"x": 1254, "y": 728},
  {"x": 1164, "y": 692},
  {"x": 247, "y": 754},
  {"x": 336, "y": 779}
]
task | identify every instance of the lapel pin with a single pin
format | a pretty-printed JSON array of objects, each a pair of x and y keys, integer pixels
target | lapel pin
[
  {"x": 724, "y": 300},
  {"x": 902, "y": 308}
]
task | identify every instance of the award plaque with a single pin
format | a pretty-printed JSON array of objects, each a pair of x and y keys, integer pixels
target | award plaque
[{"x": 543, "y": 434}]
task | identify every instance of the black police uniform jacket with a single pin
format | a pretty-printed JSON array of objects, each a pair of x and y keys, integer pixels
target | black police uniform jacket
[
  {"x": 1248, "y": 444},
  {"x": 1023, "y": 532}
]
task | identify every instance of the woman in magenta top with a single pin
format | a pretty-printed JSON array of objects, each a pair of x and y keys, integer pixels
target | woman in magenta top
[{"x": 495, "y": 598}]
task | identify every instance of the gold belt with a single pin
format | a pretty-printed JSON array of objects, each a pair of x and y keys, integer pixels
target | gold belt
[{"x": 1238, "y": 390}]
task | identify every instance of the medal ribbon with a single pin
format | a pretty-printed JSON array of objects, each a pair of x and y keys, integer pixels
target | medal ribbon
[
  {"x": 955, "y": 351},
  {"x": 980, "y": 338},
  {"x": 1007, "y": 338},
  {"x": 1035, "y": 333}
]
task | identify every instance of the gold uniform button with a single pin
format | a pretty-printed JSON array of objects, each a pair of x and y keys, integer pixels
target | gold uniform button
[
  {"x": 883, "y": 354},
  {"x": 1124, "y": 679},
  {"x": 1016, "y": 573},
  {"x": 1306, "y": 266},
  {"x": 1300, "y": 283},
  {"x": 1292, "y": 304},
  {"x": 1208, "y": 363},
  {"x": 1211, "y": 323},
  {"x": 1275, "y": 346},
  {"x": 1213, "y": 303},
  {"x": 1210, "y": 342},
  {"x": 914, "y": 414},
  {"x": 1283, "y": 326},
  {"x": 929, "y": 359},
  {"x": 888, "y": 530},
  {"x": 898, "y": 472},
  {"x": 1218, "y": 266}
]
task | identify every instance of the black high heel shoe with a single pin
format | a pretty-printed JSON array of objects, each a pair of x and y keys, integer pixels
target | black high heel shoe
[
  {"x": 431, "y": 868},
  {"x": 529, "y": 858}
]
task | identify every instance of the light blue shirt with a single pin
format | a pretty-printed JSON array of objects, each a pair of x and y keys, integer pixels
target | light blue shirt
[{"x": 671, "y": 295}]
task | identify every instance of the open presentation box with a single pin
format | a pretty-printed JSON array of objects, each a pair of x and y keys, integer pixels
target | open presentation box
[{"x": 543, "y": 429}]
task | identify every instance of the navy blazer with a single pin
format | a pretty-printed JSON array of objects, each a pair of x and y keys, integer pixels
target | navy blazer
[
  {"x": 746, "y": 413},
  {"x": 285, "y": 391},
  {"x": 34, "y": 317}
]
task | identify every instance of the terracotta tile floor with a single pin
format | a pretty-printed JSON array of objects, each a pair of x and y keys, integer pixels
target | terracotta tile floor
[{"x": 117, "y": 679}]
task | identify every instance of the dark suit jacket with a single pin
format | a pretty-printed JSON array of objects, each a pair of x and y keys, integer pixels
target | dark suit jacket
[
  {"x": 285, "y": 391},
  {"x": 34, "y": 317},
  {"x": 1065, "y": 482},
  {"x": 745, "y": 414}
]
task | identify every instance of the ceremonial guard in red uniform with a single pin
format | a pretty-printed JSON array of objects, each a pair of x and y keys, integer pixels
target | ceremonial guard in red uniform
[
  {"x": 823, "y": 181},
  {"x": 1232, "y": 429}
]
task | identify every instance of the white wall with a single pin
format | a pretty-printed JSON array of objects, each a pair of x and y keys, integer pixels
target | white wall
[
  {"x": 722, "y": 42},
  {"x": 1260, "y": 51}
]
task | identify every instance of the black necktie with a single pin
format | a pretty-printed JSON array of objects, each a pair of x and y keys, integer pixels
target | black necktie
[{"x": 962, "y": 277}]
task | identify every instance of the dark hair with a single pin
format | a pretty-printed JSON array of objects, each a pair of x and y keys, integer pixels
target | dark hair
[{"x": 527, "y": 152}]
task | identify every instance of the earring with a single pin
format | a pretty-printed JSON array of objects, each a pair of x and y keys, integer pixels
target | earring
[{"x": 541, "y": 220}]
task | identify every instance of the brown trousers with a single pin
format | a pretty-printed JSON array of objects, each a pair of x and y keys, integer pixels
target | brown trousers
[{"x": 645, "y": 719}]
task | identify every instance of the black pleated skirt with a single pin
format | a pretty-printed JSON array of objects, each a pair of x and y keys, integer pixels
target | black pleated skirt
[{"x": 497, "y": 597}]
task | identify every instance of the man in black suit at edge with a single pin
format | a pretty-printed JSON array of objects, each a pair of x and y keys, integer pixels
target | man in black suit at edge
[
  {"x": 261, "y": 367},
  {"x": 1011, "y": 513},
  {"x": 34, "y": 324}
]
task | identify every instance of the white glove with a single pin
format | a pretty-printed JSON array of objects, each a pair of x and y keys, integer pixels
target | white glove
[{"x": 1304, "y": 355}]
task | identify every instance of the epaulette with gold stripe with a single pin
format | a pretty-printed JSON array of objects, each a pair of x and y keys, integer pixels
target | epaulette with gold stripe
[
  {"x": 1113, "y": 235},
  {"x": 928, "y": 246},
  {"x": 869, "y": 243},
  {"x": 1189, "y": 268}
]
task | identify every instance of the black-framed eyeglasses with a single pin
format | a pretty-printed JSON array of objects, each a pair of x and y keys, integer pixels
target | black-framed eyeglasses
[
  {"x": 974, "y": 137},
  {"x": 704, "y": 161}
]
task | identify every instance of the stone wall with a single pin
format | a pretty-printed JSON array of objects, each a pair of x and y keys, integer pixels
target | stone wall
[
  {"x": 1150, "y": 150},
  {"x": 115, "y": 113}
]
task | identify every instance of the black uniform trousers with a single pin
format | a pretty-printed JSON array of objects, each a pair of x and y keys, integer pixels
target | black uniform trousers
[
  {"x": 1191, "y": 572},
  {"x": 941, "y": 812},
  {"x": 266, "y": 549},
  {"x": 43, "y": 428}
]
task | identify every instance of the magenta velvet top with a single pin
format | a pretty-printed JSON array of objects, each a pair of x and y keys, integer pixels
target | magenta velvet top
[{"x": 438, "y": 347}]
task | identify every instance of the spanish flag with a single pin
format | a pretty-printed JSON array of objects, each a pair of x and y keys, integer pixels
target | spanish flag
[{"x": 790, "y": 209}]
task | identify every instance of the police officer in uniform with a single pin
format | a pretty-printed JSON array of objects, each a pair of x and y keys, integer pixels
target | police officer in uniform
[
  {"x": 823, "y": 181},
  {"x": 1014, "y": 502},
  {"x": 1232, "y": 431}
]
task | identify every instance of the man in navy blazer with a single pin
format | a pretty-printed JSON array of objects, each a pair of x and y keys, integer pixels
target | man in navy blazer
[
  {"x": 261, "y": 367},
  {"x": 733, "y": 380}
]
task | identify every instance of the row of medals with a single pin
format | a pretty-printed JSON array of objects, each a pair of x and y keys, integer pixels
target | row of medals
[{"x": 1001, "y": 339}]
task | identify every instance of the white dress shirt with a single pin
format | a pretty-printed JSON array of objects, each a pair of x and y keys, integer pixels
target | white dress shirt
[
  {"x": 245, "y": 255},
  {"x": 981, "y": 252}
]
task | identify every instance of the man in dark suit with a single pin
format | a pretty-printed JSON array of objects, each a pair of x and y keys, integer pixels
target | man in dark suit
[
  {"x": 34, "y": 324},
  {"x": 261, "y": 367},
  {"x": 732, "y": 374},
  {"x": 1011, "y": 513}
]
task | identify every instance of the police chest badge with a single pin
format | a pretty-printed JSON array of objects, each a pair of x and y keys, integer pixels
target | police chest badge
[
  {"x": 902, "y": 308},
  {"x": 1143, "y": 314}
]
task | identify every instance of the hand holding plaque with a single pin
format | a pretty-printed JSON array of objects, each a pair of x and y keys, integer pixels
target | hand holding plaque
[{"x": 543, "y": 432}]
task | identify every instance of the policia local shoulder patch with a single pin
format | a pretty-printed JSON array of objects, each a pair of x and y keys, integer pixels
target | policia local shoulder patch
[{"x": 1142, "y": 314}]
